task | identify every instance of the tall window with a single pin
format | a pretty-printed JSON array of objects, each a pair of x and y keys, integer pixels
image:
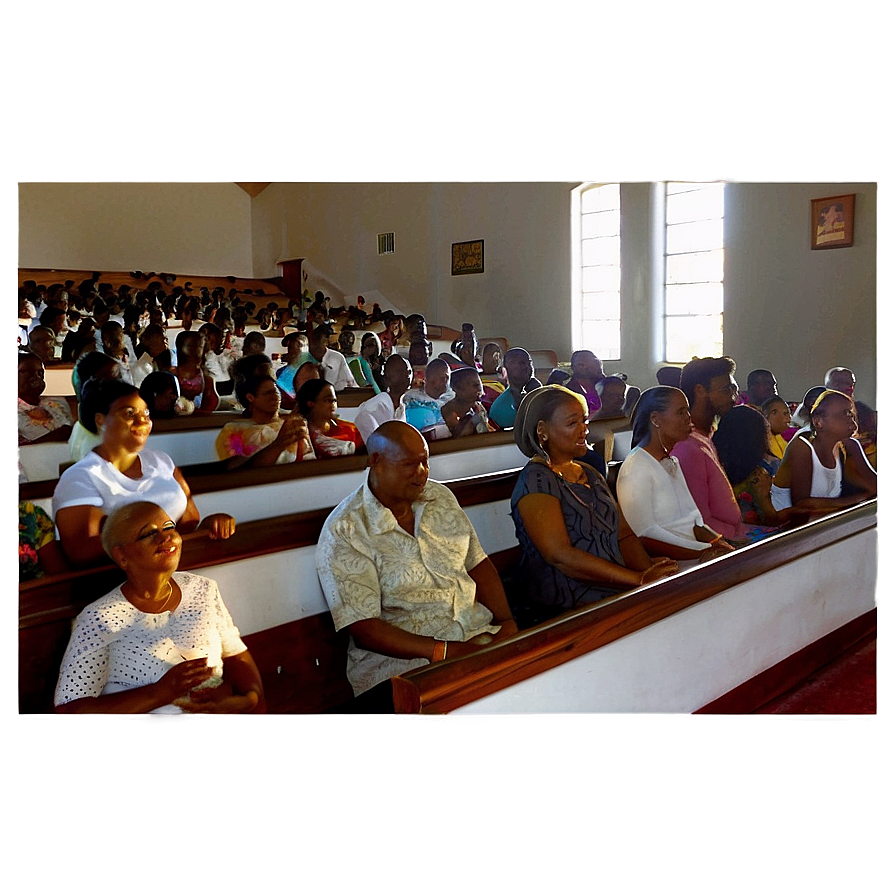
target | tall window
[
  {"x": 596, "y": 303},
  {"x": 694, "y": 259}
]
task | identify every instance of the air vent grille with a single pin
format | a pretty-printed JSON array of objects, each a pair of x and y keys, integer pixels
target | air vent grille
[{"x": 385, "y": 243}]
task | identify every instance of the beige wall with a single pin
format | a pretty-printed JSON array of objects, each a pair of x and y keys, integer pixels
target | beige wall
[
  {"x": 523, "y": 293},
  {"x": 788, "y": 308},
  {"x": 190, "y": 228}
]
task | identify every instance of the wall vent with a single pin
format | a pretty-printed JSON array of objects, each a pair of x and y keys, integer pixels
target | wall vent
[{"x": 385, "y": 243}]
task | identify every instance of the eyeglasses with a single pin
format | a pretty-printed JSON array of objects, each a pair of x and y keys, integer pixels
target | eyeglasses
[
  {"x": 155, "y": 534},
  {"x": 131, "y": 414}
]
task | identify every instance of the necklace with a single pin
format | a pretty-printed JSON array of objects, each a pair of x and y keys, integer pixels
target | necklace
[{"x": 165, "y": 602}]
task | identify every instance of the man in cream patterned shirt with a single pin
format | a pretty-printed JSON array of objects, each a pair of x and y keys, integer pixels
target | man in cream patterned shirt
[{"x": 402, "y": 569}]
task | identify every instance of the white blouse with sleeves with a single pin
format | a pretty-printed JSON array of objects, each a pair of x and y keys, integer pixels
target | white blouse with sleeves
[
  {"x": 116, "y": 647},
  {"x": 656, "y": 502},
  {"x": 95, "y": 482}
]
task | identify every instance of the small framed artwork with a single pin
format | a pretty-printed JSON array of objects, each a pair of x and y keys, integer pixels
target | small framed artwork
[
  {"x": 832, "y": 221},
  {"x": 468, "y": 258}
]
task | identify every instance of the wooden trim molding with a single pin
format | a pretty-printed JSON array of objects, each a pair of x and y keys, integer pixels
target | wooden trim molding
[{"x": 446, "y": 686}]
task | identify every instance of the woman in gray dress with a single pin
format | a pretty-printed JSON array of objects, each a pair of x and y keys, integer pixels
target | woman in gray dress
[{"x": 576, "y": 545}]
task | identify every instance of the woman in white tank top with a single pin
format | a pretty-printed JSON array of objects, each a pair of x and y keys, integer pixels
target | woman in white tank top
[{"x": 816, "y": 466}]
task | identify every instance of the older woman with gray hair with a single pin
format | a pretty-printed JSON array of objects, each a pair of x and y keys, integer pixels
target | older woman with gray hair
[
  {"x": 577, "y": 547},
  {"x": 162, "y": 641}
]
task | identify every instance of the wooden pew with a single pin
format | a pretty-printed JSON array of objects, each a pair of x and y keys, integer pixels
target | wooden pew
[
  {"x": 267, "y": 576},
  {"x": 725, "y": 636}
]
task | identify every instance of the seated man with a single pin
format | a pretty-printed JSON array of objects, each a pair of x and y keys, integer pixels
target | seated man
[
  {"x": 842, "y": 379},
  {"x": 423, "y": 407},
  {"x": 402, "y": 569},
  {"x": 711, "y": 390},
  {"x": 387, "y": 405},
  {"x": 761, "y": 386},
  {"x": 519, "y": 372},
  {"x": 587, "y": 372},
  {"x": 333, "y": 365}
]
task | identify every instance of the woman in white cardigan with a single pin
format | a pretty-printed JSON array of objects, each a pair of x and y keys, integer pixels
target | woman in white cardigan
[{"x": 651, "y": 487}]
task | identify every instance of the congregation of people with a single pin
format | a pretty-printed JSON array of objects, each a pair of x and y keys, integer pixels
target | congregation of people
[{"x": 711, "y": 469}]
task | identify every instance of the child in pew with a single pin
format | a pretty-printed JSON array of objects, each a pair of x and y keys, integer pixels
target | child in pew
[
  {"x": 464, "y": 415},
  {"x": 777, "y": 412}
]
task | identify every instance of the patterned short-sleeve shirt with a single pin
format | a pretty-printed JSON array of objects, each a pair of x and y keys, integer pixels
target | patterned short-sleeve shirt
[{"x": 370, "y": 568}]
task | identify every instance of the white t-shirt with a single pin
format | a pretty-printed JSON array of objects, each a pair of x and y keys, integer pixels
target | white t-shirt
[
  {"x": 94, "y": 482},
  {"x": 376, "y": 411},
  {"x": 336, "y": 372},
  {"x": 116, "y": 647}
]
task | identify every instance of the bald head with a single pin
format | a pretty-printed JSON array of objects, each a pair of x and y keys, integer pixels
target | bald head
[
  {"x": 435, "y": 378},
  {"x": 842, "y": 379},
  {"x": 394, "y": 439},
  {"x": 399, "y": 464}
]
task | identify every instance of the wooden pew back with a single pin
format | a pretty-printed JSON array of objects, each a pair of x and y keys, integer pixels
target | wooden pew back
[{"x": 266, "y": 573}]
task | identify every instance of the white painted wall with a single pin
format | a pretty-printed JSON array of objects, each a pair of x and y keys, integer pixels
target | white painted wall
[
  {"x": 178, "y": 227},
  {"x": 788, "y": 308},
  {"x": 693, "y": 657},
  {"x": 523, "y": 293}
]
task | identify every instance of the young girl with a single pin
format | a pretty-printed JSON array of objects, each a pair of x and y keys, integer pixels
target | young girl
[
  {"x": 818, "y": 464},
  {"x": 777, "y": 412}
]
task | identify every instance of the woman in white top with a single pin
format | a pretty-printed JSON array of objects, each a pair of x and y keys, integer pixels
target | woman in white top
[
  {"x": 120, "y": 470},
  {"x": 163, "y": 641},
  {"x": 818, "y": 464},
  {"x": 651, "y": 487}
]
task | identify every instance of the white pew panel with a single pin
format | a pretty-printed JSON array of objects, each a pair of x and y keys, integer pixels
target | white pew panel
[{"x": 691, "y": 658}]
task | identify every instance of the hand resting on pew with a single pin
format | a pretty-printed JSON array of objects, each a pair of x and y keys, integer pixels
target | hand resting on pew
[
  {"x": 118, "y": 471},
  {"x": 162, "y": 641}
]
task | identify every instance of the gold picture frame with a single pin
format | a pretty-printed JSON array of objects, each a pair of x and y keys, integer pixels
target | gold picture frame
[{"x": 468, "y": 257}]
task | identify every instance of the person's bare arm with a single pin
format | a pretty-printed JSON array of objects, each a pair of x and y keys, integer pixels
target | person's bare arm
[
  {"x": 220, "y": 525},
  {"x": 79, "y": 534},
  {"x": 542, "y": 518},
  {"x": 175, "y": 683},
  {"x": 383, "y": 637},
  {"x": 241, "y": 691},
  {"x": 801, "y": 482},
  {"x": 857, "y": 471},
  {"x": 490, "y": 593}
]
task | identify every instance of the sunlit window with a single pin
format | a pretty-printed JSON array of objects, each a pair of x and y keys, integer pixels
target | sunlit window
[
  {"x": 694, "y": 259},
  {"x": 596, "y": 272}
]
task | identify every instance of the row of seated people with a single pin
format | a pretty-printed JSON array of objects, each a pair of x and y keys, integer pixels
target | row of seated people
[
  {"x": 400, "y": 536},
  {"x": 314, "y": 429}
]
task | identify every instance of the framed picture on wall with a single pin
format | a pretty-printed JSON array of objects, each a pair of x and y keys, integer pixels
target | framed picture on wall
[
  {"x": 468, "y": 258},
  {"x": 832, "y": 220}
]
